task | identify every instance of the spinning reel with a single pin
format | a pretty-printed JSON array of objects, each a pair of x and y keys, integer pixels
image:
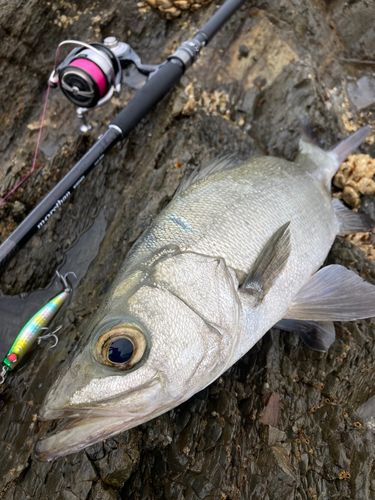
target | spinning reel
[{"x": 92, "y": 73}]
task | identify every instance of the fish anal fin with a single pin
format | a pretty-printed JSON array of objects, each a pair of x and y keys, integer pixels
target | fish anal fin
[
  {"x": 349, "y": 221},
  {"x": 333, "y": 294},
  {"x": 268, "y": 264},
  {"x": 317, "y": 335}
]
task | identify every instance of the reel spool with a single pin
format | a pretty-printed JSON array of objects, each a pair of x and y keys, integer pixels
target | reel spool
[
  {"x": 86, "y": 80},
  {"x": 91, "y": 73}
]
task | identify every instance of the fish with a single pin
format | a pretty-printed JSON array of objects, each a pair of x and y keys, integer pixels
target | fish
[
  {"x": 31, "y": 332},
  {"x": 237, "y": 251}
]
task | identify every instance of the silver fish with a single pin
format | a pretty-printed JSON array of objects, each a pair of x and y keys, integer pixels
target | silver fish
[{"x": 236, "y": 252}]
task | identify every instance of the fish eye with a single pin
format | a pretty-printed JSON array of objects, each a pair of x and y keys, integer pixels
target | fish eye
[{"x": 122, "y": 346}]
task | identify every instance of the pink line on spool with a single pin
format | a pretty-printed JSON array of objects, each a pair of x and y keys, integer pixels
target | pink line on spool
[{"x": 93, "y": 70}]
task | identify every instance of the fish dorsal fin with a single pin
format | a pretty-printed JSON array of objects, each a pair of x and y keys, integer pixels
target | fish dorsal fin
[
  {"x": 268, "y": 264},
  {"x": 333, "y": 294},
  {"x": 317, "y": 335},
  {"x": 219, "y": 164},
  {"x": 349, "y": 221},
  {"x": 327, "y": 162}
]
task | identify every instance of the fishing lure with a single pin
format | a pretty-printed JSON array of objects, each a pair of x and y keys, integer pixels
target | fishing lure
[{"x": 30, "y": 333}]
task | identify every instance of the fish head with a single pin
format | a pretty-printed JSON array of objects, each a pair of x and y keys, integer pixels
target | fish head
[{"x": 149, "y": 351}]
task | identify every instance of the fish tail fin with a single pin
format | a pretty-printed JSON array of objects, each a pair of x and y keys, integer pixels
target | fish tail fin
[
  {"x": 326, "y": 163},
  {"x": 343, "y": 149}
]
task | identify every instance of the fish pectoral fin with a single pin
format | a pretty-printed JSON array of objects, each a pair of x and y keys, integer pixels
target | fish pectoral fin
[
  {"x": 349, "y": 221},
  {"x": 333, "y": 294},
  {"x": 268, "y": 264},
  {"x": 317, "y": 335},
  {"x": 219, "y": 164}
]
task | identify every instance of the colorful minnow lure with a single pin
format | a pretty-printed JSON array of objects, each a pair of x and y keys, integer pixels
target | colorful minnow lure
[{"x": 30, "y": 333}]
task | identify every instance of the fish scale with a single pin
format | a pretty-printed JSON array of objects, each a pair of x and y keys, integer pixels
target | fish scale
[{"x": 223, "y": 213}]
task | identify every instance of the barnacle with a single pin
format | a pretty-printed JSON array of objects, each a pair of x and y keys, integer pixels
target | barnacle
[
  {"x": 173, "y": 8},
  {"x": 355, "y": 178}
]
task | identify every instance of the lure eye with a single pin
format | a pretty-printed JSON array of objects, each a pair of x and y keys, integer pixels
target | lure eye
[{"x": 123, "y": 346}]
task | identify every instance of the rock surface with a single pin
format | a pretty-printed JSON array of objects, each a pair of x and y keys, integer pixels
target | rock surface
[{"x": 283, "y": 422}]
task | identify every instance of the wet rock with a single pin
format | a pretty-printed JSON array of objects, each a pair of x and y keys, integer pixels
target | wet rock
[
  {"x": 83, "y": 469},
  {"x": 243, "y": 51},
  {"x": 81, "y": 489},
  {"x": 179, "y": 102},
  {"x": 362, "y": 93},
  {"x": 296, "y": 88},
  {"x": 271, "y": 412},
  {"x": 201, "y": 487},
  {"x": 264, "y": 42},
  {"x": 354, "y": 21},
  {"x": 18, "y": 208},
  {"x": 96, "y": 451},
  {"x": 260, "y": 82},
  {"x": 271, "y": 435},
  {"x": 102, "y": 492},
  {"x": 115, "y": 468},
  {"x": 282, "y": 460},
  {"x": 258, "y": 488},
  {"x": 250, "y": 101}
]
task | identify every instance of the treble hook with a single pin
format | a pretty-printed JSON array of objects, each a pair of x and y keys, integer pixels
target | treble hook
[
  {"x": 3, "y": 374},
  {"x": 49, "y": 335},
  {"x": 68, "y": 288}
]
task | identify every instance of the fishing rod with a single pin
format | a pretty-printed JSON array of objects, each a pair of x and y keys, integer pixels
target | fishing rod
[{"x": 89, "y": 76}]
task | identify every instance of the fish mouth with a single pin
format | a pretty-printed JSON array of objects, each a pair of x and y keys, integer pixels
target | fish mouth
[
  {"x": 76, "y": 435},
  {"x": 87, "y": 425}
]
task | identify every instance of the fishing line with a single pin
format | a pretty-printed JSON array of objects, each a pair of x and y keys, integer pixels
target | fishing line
[{"x": 36, "y": 149}]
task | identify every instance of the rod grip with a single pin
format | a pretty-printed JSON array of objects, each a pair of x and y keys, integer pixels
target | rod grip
[{"x": 148, "y": 96}]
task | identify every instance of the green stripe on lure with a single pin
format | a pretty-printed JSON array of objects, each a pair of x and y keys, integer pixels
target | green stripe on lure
[{"x": 30, "y": 333}]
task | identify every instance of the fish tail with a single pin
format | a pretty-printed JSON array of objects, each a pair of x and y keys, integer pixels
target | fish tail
[
  {"x": 343, "y": 149},
  {"x": 324, "y": 164}
]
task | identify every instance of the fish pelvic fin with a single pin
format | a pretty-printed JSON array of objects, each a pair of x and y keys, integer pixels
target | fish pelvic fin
[
  {"x": 317, "y": 335},
  {"x": 349, "y": 221},
  {"x": 333, "y": 294},
  {"x": 268, "y": 265},
  {"x": 219, "y": 164},
  {"x": 323, "y": 165}
]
